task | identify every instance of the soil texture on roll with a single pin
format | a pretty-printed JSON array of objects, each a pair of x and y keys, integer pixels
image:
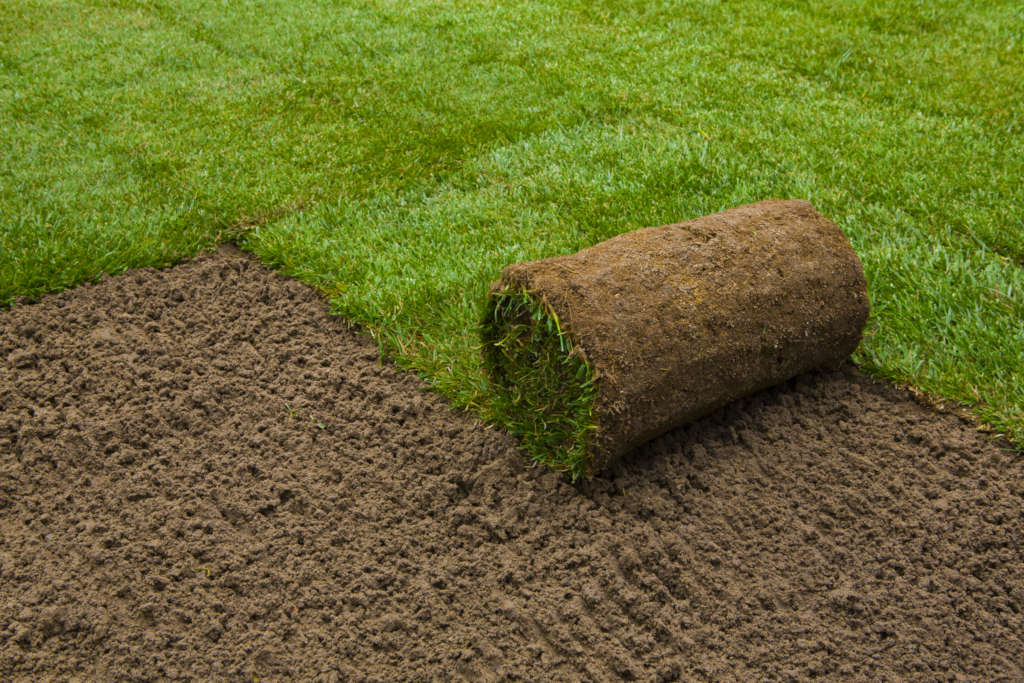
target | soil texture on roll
[{"x": 204, "y": 475}]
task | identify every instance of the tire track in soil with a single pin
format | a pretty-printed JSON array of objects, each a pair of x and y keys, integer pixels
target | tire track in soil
[{"x": 203, "y": 475}]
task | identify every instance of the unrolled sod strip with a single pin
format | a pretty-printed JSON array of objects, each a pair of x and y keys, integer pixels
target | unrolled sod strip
[{"x": 595, "y": 353}]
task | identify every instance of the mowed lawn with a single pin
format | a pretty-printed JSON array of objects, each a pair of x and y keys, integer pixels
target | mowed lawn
[{"x": 398, "y": 154}]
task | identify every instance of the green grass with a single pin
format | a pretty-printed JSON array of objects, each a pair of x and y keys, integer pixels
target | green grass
[{"x": 398, "y": 154}]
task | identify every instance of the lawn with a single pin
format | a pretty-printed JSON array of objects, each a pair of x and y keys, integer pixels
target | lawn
[{"x": 398, "y": 154}]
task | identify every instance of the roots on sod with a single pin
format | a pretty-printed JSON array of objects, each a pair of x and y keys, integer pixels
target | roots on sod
[{"x": 544, "y": 387}]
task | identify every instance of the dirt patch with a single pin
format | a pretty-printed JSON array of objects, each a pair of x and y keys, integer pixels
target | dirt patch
[{"x": 203, "y": 475}]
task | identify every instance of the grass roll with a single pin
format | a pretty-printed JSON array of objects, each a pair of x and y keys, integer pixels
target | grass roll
[{"x": 594, "y": 353}]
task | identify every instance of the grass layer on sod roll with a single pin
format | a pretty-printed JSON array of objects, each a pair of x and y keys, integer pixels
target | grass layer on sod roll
[
  {"x": 399, "y": 154},
  {"x": 545, "y": 391}
]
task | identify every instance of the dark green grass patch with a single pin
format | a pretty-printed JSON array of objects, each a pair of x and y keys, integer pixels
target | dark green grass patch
[{"x": 544, "y": 390}]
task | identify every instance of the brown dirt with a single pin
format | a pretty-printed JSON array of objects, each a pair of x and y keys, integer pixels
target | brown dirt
[
  {"x": 203, "y": 475},
  {"x": 679, "y": 320}
]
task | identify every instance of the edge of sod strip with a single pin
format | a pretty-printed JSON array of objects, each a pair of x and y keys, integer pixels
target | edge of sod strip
[{"x": 544, "y": 387}]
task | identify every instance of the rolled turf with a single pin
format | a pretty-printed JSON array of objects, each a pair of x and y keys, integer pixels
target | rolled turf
[{"x": 595, "y": 353}]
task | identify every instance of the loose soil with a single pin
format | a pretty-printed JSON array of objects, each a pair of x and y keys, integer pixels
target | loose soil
[{"x": 204, "y": 475}]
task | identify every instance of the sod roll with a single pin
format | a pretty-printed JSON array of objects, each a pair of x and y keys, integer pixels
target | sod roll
[{"x": 594, "y": 353}]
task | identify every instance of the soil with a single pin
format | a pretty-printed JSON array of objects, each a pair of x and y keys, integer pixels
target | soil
[{"x": 204, "y": 475}]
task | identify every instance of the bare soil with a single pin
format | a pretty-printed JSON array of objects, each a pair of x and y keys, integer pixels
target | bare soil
[{"x": 204, "y": 475}]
